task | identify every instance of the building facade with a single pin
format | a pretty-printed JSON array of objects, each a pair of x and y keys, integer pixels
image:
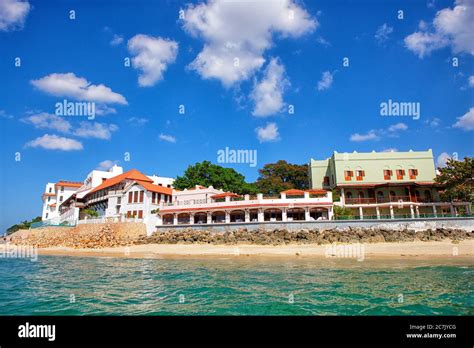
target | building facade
[
  {"x": 379, "y": 185},
  {"x": 54, "y": 195}
]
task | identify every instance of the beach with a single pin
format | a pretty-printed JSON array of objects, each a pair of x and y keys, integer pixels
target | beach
[{"x": 416, "y": 249}]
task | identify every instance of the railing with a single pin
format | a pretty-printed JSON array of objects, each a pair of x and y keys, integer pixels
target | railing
[
  {"x": 389, "y": 199},
  {"x": 401, "y": 216},
  {"x": 47, "y": 223}
]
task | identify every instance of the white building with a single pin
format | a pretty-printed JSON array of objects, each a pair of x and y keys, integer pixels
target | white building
[{"x": 55, "y": 194}]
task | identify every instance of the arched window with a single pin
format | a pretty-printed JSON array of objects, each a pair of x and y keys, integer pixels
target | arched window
[
  {"x": 361, "y": 194},
  {"x": 428, "y": 195},
  {"x": 380, "y": 196},
  {"x": 349, "y": 195},
  {"x": 392, "y": 194}
]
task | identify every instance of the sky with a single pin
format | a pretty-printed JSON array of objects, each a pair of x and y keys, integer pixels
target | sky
[{"x": 174, "y": 82}]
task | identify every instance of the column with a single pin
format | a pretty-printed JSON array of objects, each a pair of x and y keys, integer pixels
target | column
[
  {"x": 191, "y": 218},
  {"x": 377, "y": 209},
  {"x": 283, "y": 195},
  {"x": 307, "y": 217},
  {"x": 417, "y": 210},
  {"x": 259, "y": 196},
  {"x": 209, "y": 217},
  {"x": 469, "y": 209},
  {"x": 412, "y": 212},
  {"x": 175, "y": 219},
  {"x": 247, "y": 215},
  {"x": 159, "y": 220},
  {"x": 284, "y": 213},
  {"x": 306, "y": 194},
  {"x": 343, "y": 197},
  {"x": 246, "y": 197},
  {"x": 435, "y": 213},
  {"x": 392, "y": 215},
  {"x": 453, "y": 213},
  {"x": 227, "y": 217},
  {"x": 330, "y": 213},
  {"x": 261, "y": 216},
  {"x": 361, "y": 213}
]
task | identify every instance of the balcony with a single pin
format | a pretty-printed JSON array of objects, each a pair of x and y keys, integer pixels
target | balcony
[{"x": 389, "y": 199}]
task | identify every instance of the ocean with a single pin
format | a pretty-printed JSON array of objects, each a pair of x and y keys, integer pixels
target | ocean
[{"x": 61, "y": 285}]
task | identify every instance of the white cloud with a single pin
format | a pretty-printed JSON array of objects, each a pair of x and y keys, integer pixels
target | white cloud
[
  {"x": 267, "y": 94},
  {"x": 236, "y": 35},
  {"x": 71, "y": 86},
  {"x": 326, "y": 81},
  {"x": 53, "y": 142},
  {"x": 116, "y": 40},
  {"x": 152, "y": 55},
  {"x": 4, "y": 114},
  {"x": 44, "y": 120},
  {"x": 433, "y": 123},
  {"x": 370, "y": 135},
  {"x": 137, "y": 121},
  {"x": 95, "y": 130},
  {"x": 376, "y": 134},
  {"x": 107, "y": 164},
  {"x": 13, "y": 14},
  {"x": 268, "y": 133},
  {"x": 383, "y": 32},
  {"x": 466, "y": 121},
  {"x": 442, "y": 159},
  {"x": 471, "y": 81},
  {"x": 168, "y": 138},
  {"x": 451, "y": 27},
  {"x": 391, "y": 149},
  {"x": 397, "y": 127}
]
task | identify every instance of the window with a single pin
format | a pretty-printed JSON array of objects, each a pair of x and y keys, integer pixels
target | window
[
  {"x": 49, "y": 198},
  {"x": 380, "y": 196},
  {"x": 159, "y": 197},
  {"x": 62, "y": 188},
  {"x": 50, "y": 189},
  {"x": 400, "y": 174},
  {"x": 130, "y": 197},
  {"x": 326, "y": 181},
  {"x": 392, "y": 194},
  {"x": 119, "y": 200},
  {"x": 360, "y": 175},
  {"x": 412, "y": 173},
  {"x": 348, "y": 174},
  {"x": 141, "y": 196},
  {"x": 60, "y": 198},
  {"x": 349, "y": 195},
  {"x": 129, "y": 215},
  {"x": 387, "y": 174},
  {"x": 361, "y": 194},
  {"x": 47, "y": 215},
  {"x": 140, "y": 213},
  {"x": 153, "y": 197},
  {"x": 135, "y": 197}
]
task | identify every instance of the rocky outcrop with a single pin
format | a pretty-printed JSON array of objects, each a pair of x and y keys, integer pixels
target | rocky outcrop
[{"x": 304, "y": 236}]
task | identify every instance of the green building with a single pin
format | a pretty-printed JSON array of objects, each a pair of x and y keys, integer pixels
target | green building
[{"x": 384, "y": 184}]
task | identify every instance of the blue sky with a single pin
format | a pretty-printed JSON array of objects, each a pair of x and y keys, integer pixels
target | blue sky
[{"x": 290, "y": 53}]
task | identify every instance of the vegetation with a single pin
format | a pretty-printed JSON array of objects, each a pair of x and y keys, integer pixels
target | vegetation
[
  {"x": 280, "y": 176},
  {"x": 90, "y": 213},
  {"x": 342, "y": 212},
  {"x": 23, "y": 225},
  {"x": 458, "y": 178},
  {"x": 207, "y": 174}
]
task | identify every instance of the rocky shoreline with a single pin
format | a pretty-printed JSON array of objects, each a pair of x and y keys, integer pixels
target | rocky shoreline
[{"x": 305, "y": 236}]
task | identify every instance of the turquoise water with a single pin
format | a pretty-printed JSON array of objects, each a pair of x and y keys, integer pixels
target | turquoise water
[{"x": 56, "y": 285}]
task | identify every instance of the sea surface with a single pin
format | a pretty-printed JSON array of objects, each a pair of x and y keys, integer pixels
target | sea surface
[{"x": 61, "y": 285}]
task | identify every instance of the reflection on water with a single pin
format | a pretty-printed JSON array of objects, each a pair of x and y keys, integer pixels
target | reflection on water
[{"x": 234, "y": 286}]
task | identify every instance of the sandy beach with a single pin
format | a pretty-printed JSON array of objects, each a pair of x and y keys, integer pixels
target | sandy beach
[{"x": 417, "y": 249}]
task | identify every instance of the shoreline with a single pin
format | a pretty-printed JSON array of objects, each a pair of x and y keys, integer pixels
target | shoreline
[{"x": 398, "y": 250}]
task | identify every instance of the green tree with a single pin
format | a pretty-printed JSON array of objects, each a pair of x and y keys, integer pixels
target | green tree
[
  {"x": 342, "y": 212},
  {"x": 206, "y": 174},
  {"x": 458, "y": 179},
  {"x": 90, "y": 213},
  {"x": 280, "y": 176},
  {"x": 24, "y": 225}
]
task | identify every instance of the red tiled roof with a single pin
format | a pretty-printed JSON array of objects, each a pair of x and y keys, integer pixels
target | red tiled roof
[
  {"x": 225, "y": 194},
  {"x": 69, "y": 183},
  {"x": 317, "y": 192},
  {"x": 130, "y": 175},
  {"x": 293, "y": 192},
  {"x": 156, "y": 188}
]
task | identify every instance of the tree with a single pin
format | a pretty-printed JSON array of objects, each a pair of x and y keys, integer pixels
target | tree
[
  {"x": 342, "y": 213},
  {"x": 90, "y": 213},
  {"x": 23, "y": 225},
  {"x": 207, "y": 174},
  {"x": 458, "y": 179},
  {"x": 280, "y": 176}
]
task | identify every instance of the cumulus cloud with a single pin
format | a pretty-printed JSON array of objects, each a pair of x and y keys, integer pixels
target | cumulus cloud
[
  {"x": 376, "y": 134},
  {"x": 451, "y": 27},
  {"x": 167, "y": 138},
  {"x": 78, "y": 88},
  {"x": 13, "y": 14},
  {"x": 54, "y": 142},
  {"x": 326, "y": 81},
  {"x": 383, "y": 32},
  {"x": 268, "y": 133},
  {"x": 442, "y": 159},
  {"x": 267, "y": 94},
  {"x": 44, "y": 120},
  {"x": 95, "y": 130},
  {"x": 466, "y": 121},
  {"x": 107, "y": 164},
  {"x": 116, "y": 40},
  {"x": 236, "y": 37},
  {"x": 137, "y": 121},
  {"x": 152, "y": 55}
]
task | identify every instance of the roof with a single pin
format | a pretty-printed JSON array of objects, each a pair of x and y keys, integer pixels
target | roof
[
  {"x": 293, "y": 192},
  {"x": 69, "y": 183},
  {"x": 317, "y": 192},
  {"x": 130, "y": 175},
  {"x": 156, "y": 188},
  {"x": 225, "y": 194}
]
